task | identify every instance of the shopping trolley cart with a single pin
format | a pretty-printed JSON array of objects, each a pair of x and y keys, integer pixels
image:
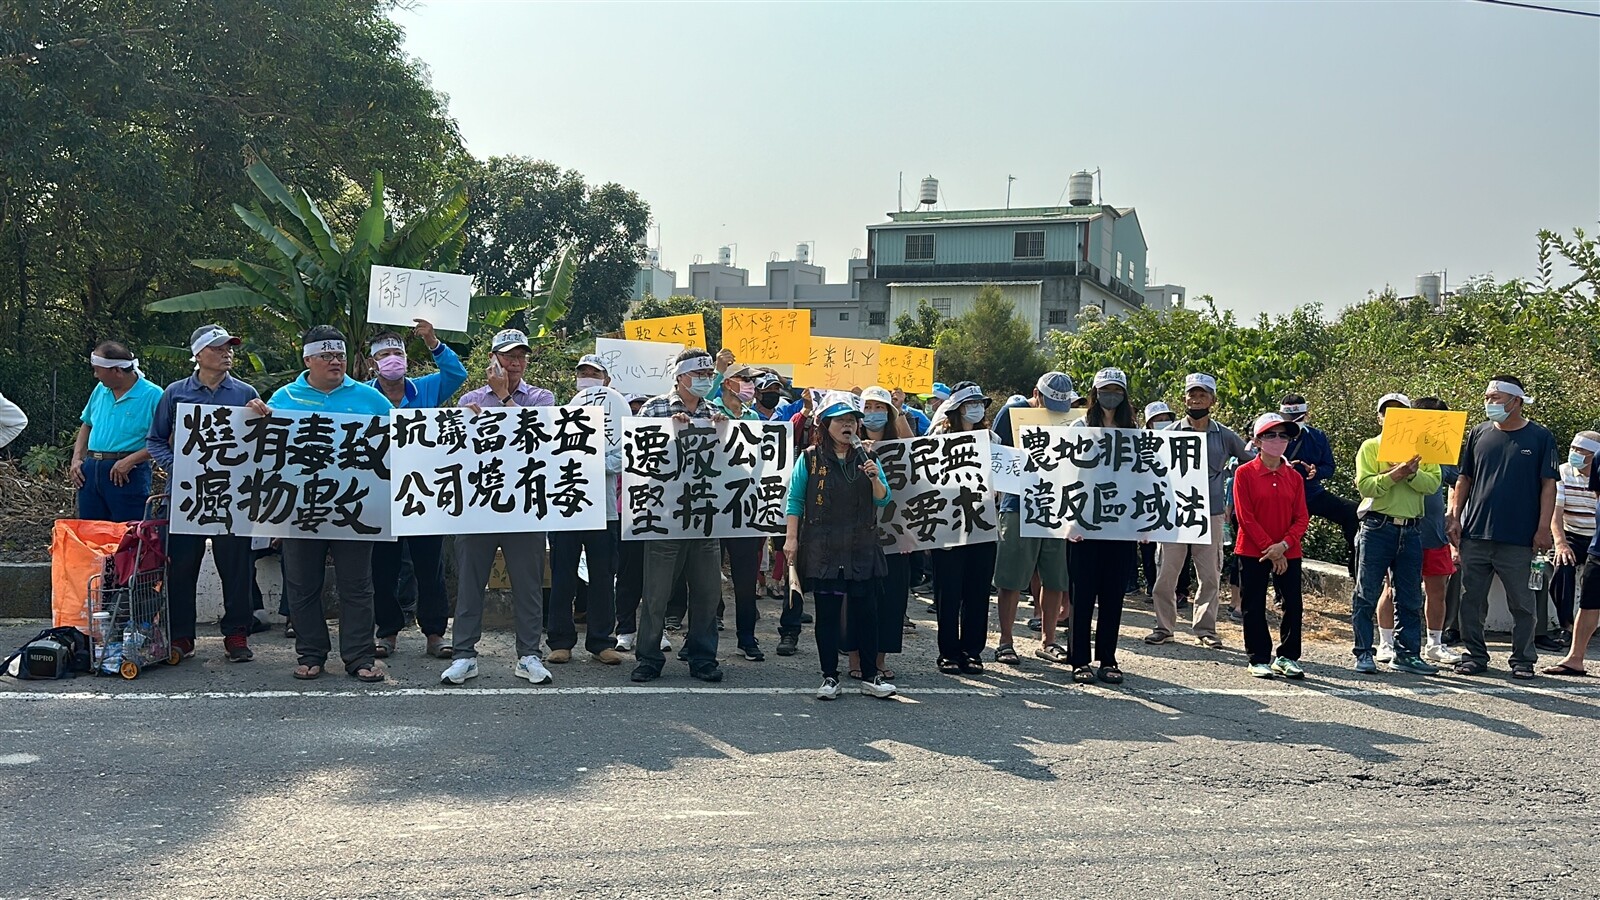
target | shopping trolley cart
[{"x": 128, "y": 620}]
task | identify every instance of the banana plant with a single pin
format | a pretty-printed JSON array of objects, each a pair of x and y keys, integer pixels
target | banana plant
[{"x": 314, "y": 277}]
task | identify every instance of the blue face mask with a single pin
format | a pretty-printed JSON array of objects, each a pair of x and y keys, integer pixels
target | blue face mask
[
  {"x": 1576, "y": 460},
  {"x": 1496, "y": 412},
  {"x": 875, "y": 421},
  {"x": 699, "y": 386}
]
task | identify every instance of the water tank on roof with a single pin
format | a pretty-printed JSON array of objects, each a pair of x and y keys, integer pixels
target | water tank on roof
[
  {"x": 802, "y": 253},
  {"x": 1431, "y": 286},
  {"x": 1080, "y": 189},
  {"x": 652, "y": 257},
  {"x": 929, "y": 194},
  {"x": 724, "y": 256}
]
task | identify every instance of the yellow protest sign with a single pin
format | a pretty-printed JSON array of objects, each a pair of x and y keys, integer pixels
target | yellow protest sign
[
  {"x": 1434, "y": 434},
  {"x": 908, "y": 368},
  {"x": 689, "y": 330},
  {"x": 765, "y": 336},
  {"x": 1025, "y": 416},
  {"x": 839, "y": 363}
]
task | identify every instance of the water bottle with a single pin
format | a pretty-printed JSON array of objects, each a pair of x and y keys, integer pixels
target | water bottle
[
  {"x": 100, "y": 633},
  {"x": 1538, "y": 572}
]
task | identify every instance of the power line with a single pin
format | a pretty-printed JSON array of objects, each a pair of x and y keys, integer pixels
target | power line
[{"x": 1535, "y": 6}]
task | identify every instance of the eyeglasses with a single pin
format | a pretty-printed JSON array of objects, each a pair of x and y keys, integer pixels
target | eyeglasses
[{"x": 330, "y": 357}]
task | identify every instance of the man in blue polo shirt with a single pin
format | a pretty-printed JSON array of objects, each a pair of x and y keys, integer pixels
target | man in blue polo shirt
[
  {"x": 110, "y": 466},
  {"x": 211, "y": 349},
  {"x": 388, "y": 352},
  {"x": 324, "y": 387}
]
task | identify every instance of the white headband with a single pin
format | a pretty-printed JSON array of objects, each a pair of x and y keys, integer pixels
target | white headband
[
  {"x": 1505, "y": 387},
  {"x": 102, "y": 362},
  {"x": 693, "y": 364},
  {"x": 1294, "y": 409},
  {"x": 316, "y": 347},
  {"x": 1589, "y": 444},
  {"x": 387, "y": 344}
]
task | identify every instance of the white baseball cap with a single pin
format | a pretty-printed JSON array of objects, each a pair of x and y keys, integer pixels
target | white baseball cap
[
  {"x": 1200, "y": 380},
  {"x": 1399, "y": 398}
]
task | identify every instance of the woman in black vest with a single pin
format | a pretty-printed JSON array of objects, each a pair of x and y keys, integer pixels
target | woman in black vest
[
  {"x": 834, "y": 495},
  {"x": 963, "y": 574}
]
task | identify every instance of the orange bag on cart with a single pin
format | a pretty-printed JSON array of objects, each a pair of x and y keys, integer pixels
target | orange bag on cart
[{"x": 78, "y": 550}]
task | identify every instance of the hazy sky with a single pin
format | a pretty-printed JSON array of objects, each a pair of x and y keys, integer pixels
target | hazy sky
[{"x": 1278, "y": 153}]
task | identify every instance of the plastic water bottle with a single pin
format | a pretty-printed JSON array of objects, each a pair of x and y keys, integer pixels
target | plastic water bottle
[{"x": 1539, "y": 572}]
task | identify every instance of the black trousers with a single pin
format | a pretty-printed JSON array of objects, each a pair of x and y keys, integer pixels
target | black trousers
[
  {"x": 236, "y": 566},
  {"x": 1564, "y": 584},
  {"x": 427, "y": 561},
  {"x": 599, "y": 547},
  {"x": 1253, "y": 578},
  {"x": 744, "y": 563},
  {"x": 1099, "y": 573},
  {"x": 859, "y": 613},
  {"x": 1336, "y": 509},
  {"x": 630, "y": 585},
  {"x": 962, "y": 578}
]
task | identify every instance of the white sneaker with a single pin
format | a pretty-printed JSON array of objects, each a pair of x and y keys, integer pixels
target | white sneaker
[
  {"x": 625, "y": 642},
  {"x": 877, "y": 687},
  {"x": 1385, "y": 653},
  {"x": 1439, "y": 653},
  {"x": 532, "y": 669},
  {"x": 829, "y": 690},
  {"x": 665, "y": 644},
  {"x": 460, "y": 670}
]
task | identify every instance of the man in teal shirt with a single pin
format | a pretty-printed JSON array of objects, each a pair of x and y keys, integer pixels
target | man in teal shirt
[
  {"x": 1389, "y": 544},
  {"x": 110, "y": 465},
  {"x": 324, "y": 387}
]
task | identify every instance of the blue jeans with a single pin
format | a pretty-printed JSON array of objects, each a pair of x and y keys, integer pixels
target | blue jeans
[
  {"x": 100, "y": 499},
  {"x": 1385, "y": 549}
]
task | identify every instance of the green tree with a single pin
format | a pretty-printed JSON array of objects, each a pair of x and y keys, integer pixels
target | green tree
[
  {"x": 989, "y": 344},
  {"x": 919, "y": 328},
  {"x": 653, "y": 307},
  {"x": 523, "y": 211},
  {"x": 314, "y": 276}
]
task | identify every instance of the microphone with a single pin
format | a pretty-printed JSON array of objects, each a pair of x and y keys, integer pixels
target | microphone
[{"x": 861, "y": 452}]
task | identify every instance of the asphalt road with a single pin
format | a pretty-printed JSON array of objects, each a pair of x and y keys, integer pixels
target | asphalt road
[{"x": 1192, "y": 780}]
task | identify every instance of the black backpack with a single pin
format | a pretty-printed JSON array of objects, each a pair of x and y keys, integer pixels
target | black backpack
[{"x": 53, "y": 653}]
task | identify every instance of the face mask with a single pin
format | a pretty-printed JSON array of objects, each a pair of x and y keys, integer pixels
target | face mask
[
  {"x": 1496, "y": 412},
  {"x": 770, "y": 399},
  {"x": 699, "y": 385},
  {"x": 746, "y": 392},
  {"x": 586, "y": 383},
  {"x": 1274, "y": 446},
  {"x": 392, "y": 367},
  {"x": 1576, "y": 460},
  {"x": 1197, "y": 413},
  {"x": 1111, "y": 399},
  {"x": 875, "y": 421},
  {"x": 972, "y": 413}
]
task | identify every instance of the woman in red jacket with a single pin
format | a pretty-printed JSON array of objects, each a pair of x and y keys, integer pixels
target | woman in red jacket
[{"x": 1269, "y": 501}]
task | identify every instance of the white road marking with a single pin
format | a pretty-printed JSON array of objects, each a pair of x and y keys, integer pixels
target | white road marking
[
  {"x": 1309, "y": 691},
  {"x": 17, "y": 759}
]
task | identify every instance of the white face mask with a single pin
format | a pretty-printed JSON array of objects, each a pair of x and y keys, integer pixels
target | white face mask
[
  {"x": 586, "y": 383},
  {"x": 972, "y": 413}
]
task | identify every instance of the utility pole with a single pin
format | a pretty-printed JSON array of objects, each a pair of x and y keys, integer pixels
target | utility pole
[{"x": 1009, "y": 179}]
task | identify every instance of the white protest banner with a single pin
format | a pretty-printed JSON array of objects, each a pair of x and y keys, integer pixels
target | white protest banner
[
  {"x": 292, "y": 474},
  {"x": 638, "y": 367},
  {"x": 1116, "y": 484},
  {"x": 699, "y": 480},
  {"x": 612, "y": 403},
  {"x": 1005, "y": 468},
  {"x": 518, "y": 468},
  {"x": 397, "y": 296},
  {"x": 939, "y": 492}
]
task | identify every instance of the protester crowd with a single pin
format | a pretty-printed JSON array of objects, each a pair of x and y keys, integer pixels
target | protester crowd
[{"x": 1426, "y": 540}]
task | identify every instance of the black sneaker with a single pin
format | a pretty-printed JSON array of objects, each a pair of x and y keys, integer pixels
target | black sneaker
[
  {"x": 719, "y": 623},
  {"x": 711, "y": 673},
  {"x": 806, "y": 618},
  {"x": 683, "y": 654},
  {"x": 674, "y": 623},
  {"x": 753, "y": 652},
  {"x": 645, "y": 673},
  {"x": 1548, "y": 642},
  {"x": 1451, "y": 636},
  {"x": 788, "y": 644}
]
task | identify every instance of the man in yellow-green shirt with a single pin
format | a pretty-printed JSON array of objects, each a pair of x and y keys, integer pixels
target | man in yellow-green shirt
[{"x": 1389, "y": 544}]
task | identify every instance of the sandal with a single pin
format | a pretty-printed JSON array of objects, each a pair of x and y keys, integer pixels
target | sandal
[
  {"x": 1005, "y": 653},
  {"x": 1083, "y": 675},
  {"x": 383, "y": 647},
  {"x": 307, "y": 673},
  {"x": 1522, "y": 671},
  {"x": 1470, "y": 667},
  {"x": 1111, "y": 674},
  {"x": 888, "y": 674},
  {"x": 1052, "y": 653},
  {"x": 370, "y": 674},
  {"x": 972, "y": 666},
  {"x": 1565, "y": 671},
  {"x": 949, "y": 666},
  {"x": 855, "y": 674}
]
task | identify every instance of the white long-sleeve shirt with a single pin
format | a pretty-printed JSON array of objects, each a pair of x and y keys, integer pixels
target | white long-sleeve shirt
[{"x": 12, "y": 421}]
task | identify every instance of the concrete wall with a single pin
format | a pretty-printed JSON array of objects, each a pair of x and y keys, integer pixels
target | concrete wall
[{"x": 977, "y": 243}]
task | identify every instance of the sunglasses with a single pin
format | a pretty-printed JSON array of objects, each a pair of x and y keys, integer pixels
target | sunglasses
[{"x": 1278, "y": 435}]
